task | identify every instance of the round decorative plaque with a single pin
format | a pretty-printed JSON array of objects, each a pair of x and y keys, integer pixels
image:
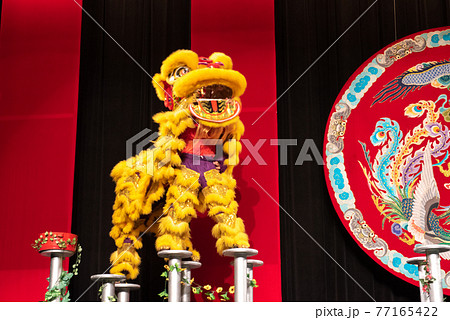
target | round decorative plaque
[{"x": 387, "y": 149}]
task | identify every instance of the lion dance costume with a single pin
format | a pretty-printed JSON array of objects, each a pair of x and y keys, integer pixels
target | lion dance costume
[{"x": 163, "y": 187}]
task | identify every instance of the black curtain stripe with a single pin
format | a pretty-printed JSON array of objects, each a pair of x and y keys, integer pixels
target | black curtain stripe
[
  {"x": 117, "y": 101},
  {"x": 304, "y": 30}
]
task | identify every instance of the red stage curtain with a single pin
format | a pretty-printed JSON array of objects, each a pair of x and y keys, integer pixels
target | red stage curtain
[
  {"x": 245, "y": 30},
  {"x": 39, "y": 65}
]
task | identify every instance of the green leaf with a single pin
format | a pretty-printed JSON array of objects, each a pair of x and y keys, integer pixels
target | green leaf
[
  {"x": 174, "y": 267},
  {"x": 48, "y": 296},
  {"x": 164, "y": 274},
  {"x": 163, "y": 294},
  {"x": 210, "y": 295},
  {"x": 66, "y": 297},
  {"x": 67, "y": 277},
  {"x": 253, "y": 283},
  {"x": 185, "y": 281},
  {"x": 100, "y": 290},
  {"x": 225, "y": 296},
  {"x": 60, "y": 285}
]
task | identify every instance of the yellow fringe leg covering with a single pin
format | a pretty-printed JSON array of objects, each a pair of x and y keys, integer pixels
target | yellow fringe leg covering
[
  {"x": 219, "y": 198},
  {"x": 136, "y": 191},
  {"x": 195, "y": 254},
  {"x": 125, "y": 260},
  {"x": 181, "y": 200}
]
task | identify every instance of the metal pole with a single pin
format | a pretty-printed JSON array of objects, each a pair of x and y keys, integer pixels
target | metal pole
[
  {"x": 419, "y": 262},
  {"x": 186, "y": 286},
  {"x": 108, "y": 282},
  {"x": 123, "y": 291},
  {"x": 240, "y": 270},
  {"x": 55, "y": 270},
  {"x": 174, "y": 280},
  {"x": 123, "y": 296},
  {"x": 251, "y": 263},
  {"x": 108, "y": 291},
  {"x": 240, "y": 279},
  {"x": 56, "y": 259},
  {"x": 432, "y": 252},
  {"x": 249, "y": 287},
  {"x": 186, "y": 277},
  {"x": 174, "y": 257},
  {"x": 434, "y": 263}
]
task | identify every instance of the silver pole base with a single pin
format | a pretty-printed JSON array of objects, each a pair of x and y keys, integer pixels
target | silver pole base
[
  {"x": 424, "y": 297},
  {"x": 123, "y": 291},
  {"x": 240, "y": 270},
  {"x": 434, "y": 262},
  {"x": 56, "y": 260},
  {"x": 108, "y": 282},
  {"x": 174, "y": 257},
  {"x": 186, "y": 277},
  {"x": 251, "y": 263}
]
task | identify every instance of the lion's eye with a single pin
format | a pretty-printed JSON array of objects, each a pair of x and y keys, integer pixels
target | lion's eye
[
  {"x": 176, "y": 73},
  {"x": 181, "y": 71}
]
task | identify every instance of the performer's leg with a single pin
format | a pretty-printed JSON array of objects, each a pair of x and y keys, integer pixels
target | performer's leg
[
  {"x": 181, "y": 199},
  {"x": 125, "y": 259},
  {"x": 130, "y": 191},
  {"x": 219, "y": 198}
]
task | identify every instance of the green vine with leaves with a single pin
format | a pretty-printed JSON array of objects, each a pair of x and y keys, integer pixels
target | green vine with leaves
[
  {"x": 60, "y": 289},
  {"x": 201, "y": 289}
]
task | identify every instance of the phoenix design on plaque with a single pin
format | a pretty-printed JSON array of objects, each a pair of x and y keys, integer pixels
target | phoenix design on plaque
[{"x": 387, "y": 149}]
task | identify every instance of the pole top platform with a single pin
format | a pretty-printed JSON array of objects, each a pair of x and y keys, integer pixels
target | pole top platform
[
  {"x": 416, "y": 260},
  {"x": 432, "y": 248},
  {"x": 57, "y": 253},
  {"x": 240, "y": 252},
  {"x": 255, "y": 263},
  {"x": 191, "y": 264},
  {"x": 123, "y": 286},
  {"x": 177, "y": 254},
  {"x": 106, "y": 277}
]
